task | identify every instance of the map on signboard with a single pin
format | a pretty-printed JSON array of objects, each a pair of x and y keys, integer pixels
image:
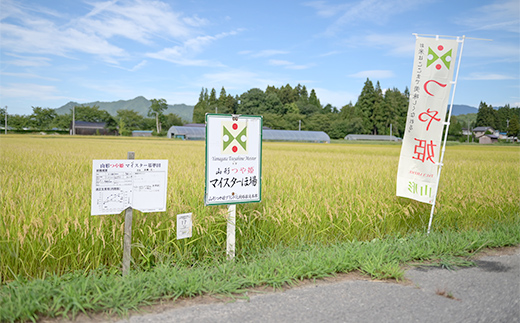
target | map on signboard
[
  {"x": 233, "y": 159},
  {"x": 119, "y": 184}
]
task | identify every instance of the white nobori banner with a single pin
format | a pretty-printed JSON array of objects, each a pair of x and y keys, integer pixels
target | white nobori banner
[{"x": 433, "y": 68}]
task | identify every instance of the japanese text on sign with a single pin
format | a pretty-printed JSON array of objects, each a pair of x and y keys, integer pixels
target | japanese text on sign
[
  {"x": 119, "y": 184},
  {"x": 233, "y": 159},
  {"x": 430, "y": 89}
]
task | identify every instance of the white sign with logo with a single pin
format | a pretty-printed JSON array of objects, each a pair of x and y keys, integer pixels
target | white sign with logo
[{"x": 233, "y": 159}]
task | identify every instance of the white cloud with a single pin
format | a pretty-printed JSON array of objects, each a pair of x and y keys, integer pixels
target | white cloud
[
  {"x": 373, "y": 74},
  {"x": 364, "y": 11},
  {"x": 28, "y": 76},
  {"x": 29, "y": 90},
  {"x": 499, "y": 16},
  {"x": 183, "y": 54},
  {"x": 27, "y": 61},
  {"x": 268, "y": 53},
  {"x": 39, "y": 30},
  {"x": 287, "y": 64}
]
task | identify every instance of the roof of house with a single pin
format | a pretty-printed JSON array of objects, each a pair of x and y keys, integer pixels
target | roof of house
[
  {"x": 86, "y": 124},
  {"x": 481, "y": 129}
]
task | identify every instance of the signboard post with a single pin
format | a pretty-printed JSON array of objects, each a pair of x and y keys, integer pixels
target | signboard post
[
  {"x": 127, "y": 184},
  {"x": 233, "y": 165}
]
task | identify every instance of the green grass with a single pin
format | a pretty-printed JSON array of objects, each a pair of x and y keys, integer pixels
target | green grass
[{"x": 105, "y": 290}]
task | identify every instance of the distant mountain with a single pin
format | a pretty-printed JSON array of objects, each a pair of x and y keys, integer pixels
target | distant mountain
[
  {"x": 459, "y": 109},
  {"x": 139, "y": 104}
]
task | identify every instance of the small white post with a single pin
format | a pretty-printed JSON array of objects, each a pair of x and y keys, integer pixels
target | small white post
[
  {"x": 231, "y": 224},
  {"x": 127, "y": 239}
]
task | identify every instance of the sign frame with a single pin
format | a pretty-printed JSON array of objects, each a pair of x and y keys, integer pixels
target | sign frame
[{"x": 210, "y": 118}]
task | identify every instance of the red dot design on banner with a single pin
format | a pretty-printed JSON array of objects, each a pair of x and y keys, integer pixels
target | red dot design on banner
[
  {"x": 235, "y": 149},
  {"x": 438, "y": 66},
  {"x": 440, "y": 47},
  {"x": 235, "y": 126}
]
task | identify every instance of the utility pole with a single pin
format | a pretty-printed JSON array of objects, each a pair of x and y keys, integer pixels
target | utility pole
[
  {"x": 74, "y": 120},
  {"x": 468, "y": 131}
]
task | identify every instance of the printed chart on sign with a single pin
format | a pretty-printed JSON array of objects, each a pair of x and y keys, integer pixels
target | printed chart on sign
[
  {"x": 119, "y": 184},
  {"x": 233, "y": 159}
]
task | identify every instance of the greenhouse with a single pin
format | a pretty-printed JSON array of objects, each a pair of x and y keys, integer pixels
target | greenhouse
[
  {"x": 295, "y": 135},
  {"x": 372, "y": 137},
  {"x": 188, "y": 132},
  {"x": 198, "y": 132}
]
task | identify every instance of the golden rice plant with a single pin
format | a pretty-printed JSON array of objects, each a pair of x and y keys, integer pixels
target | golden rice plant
[{"x": 310, "y": 193}]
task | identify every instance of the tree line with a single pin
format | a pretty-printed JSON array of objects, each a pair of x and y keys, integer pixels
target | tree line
[
  {"x": 296, "y": 108},
  {"x": 504, "y": 119},
  {"x": 124, "y": 122},
  {"x": 376, "y": 112}
]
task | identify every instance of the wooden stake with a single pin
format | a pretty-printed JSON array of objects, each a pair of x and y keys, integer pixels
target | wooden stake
[
  {"x": 231, "y": 223},
  {"x": 127, "y": 248}
]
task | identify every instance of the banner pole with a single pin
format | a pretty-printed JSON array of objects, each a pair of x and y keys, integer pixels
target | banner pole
[
  {"x": 440, "y": 164},
  {"x": 231, "y": 229}
]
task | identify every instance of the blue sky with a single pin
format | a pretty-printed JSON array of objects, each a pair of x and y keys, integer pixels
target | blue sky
[{"x": 57, "y": 51}]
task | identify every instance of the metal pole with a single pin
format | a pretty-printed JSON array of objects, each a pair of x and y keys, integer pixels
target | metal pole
[
  {"x": 74, "y": 120},
  {"x": 231, "y": 229},
  {"x": 439, "y": 164},
  {"x": 127, "y": 240}
]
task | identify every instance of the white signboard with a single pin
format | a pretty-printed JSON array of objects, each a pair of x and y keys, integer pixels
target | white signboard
[
  {"x": 119, "y": 184},
  {"x": 233, "y": 159},
  {"x": 432, "y": 76},
  {"x": 184, "y": 226}
]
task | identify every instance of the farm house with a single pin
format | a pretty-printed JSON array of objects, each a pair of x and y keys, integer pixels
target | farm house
[
  {"x": 91, "y": 128},
  {"x": 198, "y": 132}
]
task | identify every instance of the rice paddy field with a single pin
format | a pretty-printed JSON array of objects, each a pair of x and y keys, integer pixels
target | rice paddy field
[{"x": 318, "y": 193}]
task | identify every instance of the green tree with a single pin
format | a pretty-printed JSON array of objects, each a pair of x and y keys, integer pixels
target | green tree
[
  {"x": 369, "y": 105},
  {"x": 201, "y": 108},
  {"x": 287, "y": 95},
  {"x": 486, "y": 116},
  {"x": 129, "y": 120},
  {"x": 157, "y": 108},
  {"x": 514, "y": 126},
  {"x": 313, "y": 100},
  {"x": 252, "y": 102},
  {"x": 395, "y": 109},
  {"x": 18, "y": 122},
  {"x": 42, "y": 118}
]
